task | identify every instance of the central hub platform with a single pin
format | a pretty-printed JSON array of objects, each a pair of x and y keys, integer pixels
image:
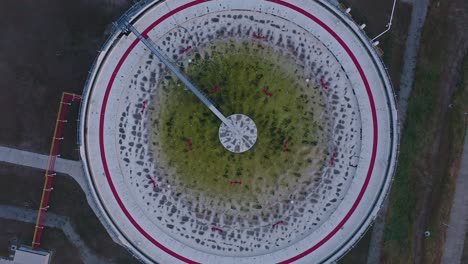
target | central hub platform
[{"x": 243, "y": 138}]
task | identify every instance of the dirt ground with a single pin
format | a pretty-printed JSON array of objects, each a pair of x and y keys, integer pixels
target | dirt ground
[
  {"x": 393, "y": 44},
  {"x": 14, "y": 232},
  {"x": 358, "y": 255},
  {"x": 21, "y": 186},
  {"x": 459, "y": 96},
  {"x": 46, "y": 48},
  {"x": 454, "y": 37},
  {"x": 444, "y": 45},
  {"x": 376, "y": 14},
  {"x": 20, "y": 233}
]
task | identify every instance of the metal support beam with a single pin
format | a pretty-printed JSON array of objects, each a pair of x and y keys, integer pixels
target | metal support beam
[{"x": 126, "y": 27}]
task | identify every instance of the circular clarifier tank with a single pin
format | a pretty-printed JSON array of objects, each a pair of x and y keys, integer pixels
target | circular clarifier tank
[{"x": 303, "y": 175}]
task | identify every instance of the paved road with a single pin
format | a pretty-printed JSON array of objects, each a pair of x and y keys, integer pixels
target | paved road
[
  {"x": 418, "y": 17},
  {"x": 457, "y": 226},
  {"x": 39, "y": 161},
  {"x": 52, "y": 220}
]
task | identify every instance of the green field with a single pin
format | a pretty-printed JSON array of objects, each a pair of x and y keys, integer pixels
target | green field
[{"x": 291, "y": 114}]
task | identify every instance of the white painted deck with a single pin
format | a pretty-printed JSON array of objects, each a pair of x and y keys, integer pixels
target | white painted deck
[{"x": 123, "y": 155}]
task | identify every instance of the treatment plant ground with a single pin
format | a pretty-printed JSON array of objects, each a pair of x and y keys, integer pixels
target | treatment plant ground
[{"x": 251, "y": 79}]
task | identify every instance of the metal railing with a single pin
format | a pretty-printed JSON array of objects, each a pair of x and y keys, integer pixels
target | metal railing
[{"x": 111, "y": 40}]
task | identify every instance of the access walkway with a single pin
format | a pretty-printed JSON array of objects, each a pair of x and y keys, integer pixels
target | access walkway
[{"x": 458, "y": 224}]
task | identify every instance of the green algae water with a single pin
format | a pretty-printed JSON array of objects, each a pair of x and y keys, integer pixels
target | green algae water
[{"x": 250, "y": 79}]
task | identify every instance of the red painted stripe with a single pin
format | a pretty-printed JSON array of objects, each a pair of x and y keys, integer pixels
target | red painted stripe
[
  {"x": 236, "y": 182},
  {"x": 267, "y": 93},
  {"x": 185, "y": 50},
  {"x": 50, "y": 168},
  {"x": 217, "y": 229},
  {"x": 189, "y": 142},
  {"x": 320, "y": 23},
  {"x": 143, "y": 107},
  {"x": 285, "y": 146},
  {"x": 255, "y": 36},
  {"x": 324, "y": 85},
  {"x": 277, "y": 223},
  {"x": 215, "y": 89}
]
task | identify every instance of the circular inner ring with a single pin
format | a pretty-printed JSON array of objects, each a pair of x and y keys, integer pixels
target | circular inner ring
[{"x": 243, "y": 138}]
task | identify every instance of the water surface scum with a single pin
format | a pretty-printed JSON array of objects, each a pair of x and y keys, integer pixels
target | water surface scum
[{"x": 251, "y": 79}]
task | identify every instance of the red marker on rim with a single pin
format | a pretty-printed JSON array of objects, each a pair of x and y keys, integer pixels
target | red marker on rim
[
  {"x": 332, "y": 161},
  {"x": 266, "y": 92},
  {"x": 277, "y": 223},
  {"x": 255, "y": 36},
  {"x": 153, "y": 181},
  {"x": 324, "y": 85},
  {"x": 143, "y": 107},
  {"x": 215, "y": 89},
  {"x": 217, "y": 229},
  {"x": 285, "y": 147},
  {"x": 189, "y": 142},
  {"x": 185, "y": 50}
]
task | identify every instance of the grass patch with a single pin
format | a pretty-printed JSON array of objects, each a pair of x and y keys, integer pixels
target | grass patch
[
  {"x": 459, "y": 125},
  {"x": 413, "y": 142},
  {"x": 454, "y": 138},
  {"x": 424, "y": 123},
  {"x": 393, "y": 44},
  {"x": 358, "y": 254},
  {"x": 290, "y": 114},
  {"x": 458, "y": 119},
  {"x": 404, "y": 195},
  {"x": 413, "y": 145}
]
